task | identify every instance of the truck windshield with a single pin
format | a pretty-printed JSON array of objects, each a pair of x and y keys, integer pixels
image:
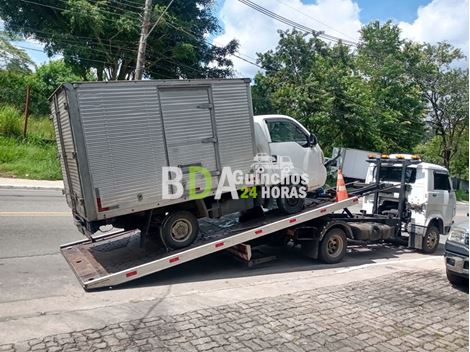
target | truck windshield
[{"x": 393, "y": 174}]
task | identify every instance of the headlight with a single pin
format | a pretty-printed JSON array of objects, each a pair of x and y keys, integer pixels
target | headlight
[{"x": 457, "y": 236}]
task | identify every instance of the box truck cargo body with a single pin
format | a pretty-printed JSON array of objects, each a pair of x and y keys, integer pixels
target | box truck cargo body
[
  {"x": 353, "y": 162},
  {"x": 115, "y": 137}
]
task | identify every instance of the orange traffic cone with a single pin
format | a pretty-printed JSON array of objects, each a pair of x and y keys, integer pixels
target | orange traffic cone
[{"x": 341, "y": 193}]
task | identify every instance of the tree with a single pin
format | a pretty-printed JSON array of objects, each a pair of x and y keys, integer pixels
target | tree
[
  {"x": 103, "y": 36},
  {"x": 13, "y": 58},
  {"x": 316, "y": 84},
  {"x": 445, "y": 89},
  {"x": 398, "y": 107},
  {"x": 43, "y": 83}
]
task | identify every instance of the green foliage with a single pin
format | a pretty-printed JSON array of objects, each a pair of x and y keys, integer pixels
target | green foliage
[
  {"x": 383, "y": 60},
  {"x": 461, "y": 195},
  {"x": 445, "y": 90},
  {"x": 13, "y": 58},
  {"x": 103, "y": 36},
  {"x": 32, "y": 157},
  {"x": 43, "y": 83},
  {"x": 10, "y": 121},
  {"x": 325, "y": 89},
  {"x": 29, "y": 159},
  {"x": 380, "y": 97}
]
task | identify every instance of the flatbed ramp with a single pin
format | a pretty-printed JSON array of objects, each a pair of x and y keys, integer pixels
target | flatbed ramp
[{"x": 121, "y": 257}]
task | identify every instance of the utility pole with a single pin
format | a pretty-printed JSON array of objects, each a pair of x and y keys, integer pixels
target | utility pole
[
  {"x": 26, "y": 109},
  {"x": 143, "y": 40},
  {"x": 145, "y": 32}
]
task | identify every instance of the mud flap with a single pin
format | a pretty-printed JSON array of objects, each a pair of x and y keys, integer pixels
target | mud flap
[
  {"x": 416, "y": 232},
  {"x": 310, "y": 249},
  {"x": 415, "y": 240}
]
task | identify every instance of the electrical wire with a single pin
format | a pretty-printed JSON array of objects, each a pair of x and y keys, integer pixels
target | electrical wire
[
  {"x": 294, "y": 24},
  {"x": 64, "y": 9},
  {"x": 316, "y": 20}
]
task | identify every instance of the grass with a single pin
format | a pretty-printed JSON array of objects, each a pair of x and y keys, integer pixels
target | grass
[
  {"x": 33, "y": 157},
  {"x": 461, "y": 195}
]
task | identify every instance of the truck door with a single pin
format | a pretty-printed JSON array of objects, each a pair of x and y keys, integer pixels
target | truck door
[
  {"x": 441, "y": 199},
  {"x": 189, "y": 131},
  {"x": 289, "y": 139},
  {"x": 67, "y": 153}
]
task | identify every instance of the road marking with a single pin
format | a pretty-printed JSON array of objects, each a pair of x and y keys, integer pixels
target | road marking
[
  {"x": 34, "y": 213},
  {"x": 363, "y": 266}
]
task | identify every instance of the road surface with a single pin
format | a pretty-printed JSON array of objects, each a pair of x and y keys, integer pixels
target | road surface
[{"x": 39, "y": 295}]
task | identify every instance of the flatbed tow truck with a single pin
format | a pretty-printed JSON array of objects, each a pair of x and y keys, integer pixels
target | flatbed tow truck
[{"x": 322, "y": 233}]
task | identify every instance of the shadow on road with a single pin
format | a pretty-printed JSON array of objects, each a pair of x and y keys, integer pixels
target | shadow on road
[{"x": 222, "y": 265}]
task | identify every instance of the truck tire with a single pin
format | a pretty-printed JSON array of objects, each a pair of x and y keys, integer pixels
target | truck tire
[
  {"x": 290, "y": 205},
  {"x": 431, "y": 240},
  {"x": 179, "y": 229},
  {"x": 456, "y": 280},
  {"x": 333, "y": 246}
]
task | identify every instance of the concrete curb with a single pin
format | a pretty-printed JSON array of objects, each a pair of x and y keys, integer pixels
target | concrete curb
[{"x": 15, "y": 183}]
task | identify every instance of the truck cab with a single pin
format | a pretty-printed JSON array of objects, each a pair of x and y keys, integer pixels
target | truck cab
[
  {"x": 429, "y": 194},
  {"x": 292, "y": 146}
]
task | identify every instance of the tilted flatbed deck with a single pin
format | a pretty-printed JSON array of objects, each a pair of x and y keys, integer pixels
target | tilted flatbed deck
[{"x": 115, "y": 259}]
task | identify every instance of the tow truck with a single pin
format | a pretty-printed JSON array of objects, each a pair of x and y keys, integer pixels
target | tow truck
[{"x": 323, "y": 229}]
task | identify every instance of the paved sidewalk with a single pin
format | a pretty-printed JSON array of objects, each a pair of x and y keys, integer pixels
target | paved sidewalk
[
  {"x": 6, "y": 182},
  {"x": 412, "y": 311}
]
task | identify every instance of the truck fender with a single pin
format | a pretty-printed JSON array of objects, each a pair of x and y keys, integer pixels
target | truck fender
[
  {"x": 336, "y": 223},
  {"x": 437, "y": 220}
]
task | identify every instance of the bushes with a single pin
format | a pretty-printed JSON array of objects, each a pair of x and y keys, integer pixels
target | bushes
[
  {"x": 40, "y": 128},
  {"x": 32, "y": 157},
  {"x": 10, "y": 121},
  {"x": 29, "y": 159}
]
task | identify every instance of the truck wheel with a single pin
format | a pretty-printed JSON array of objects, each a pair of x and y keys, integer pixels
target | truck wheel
[
  {"x": 431, "y": 240},
  {"x": 179, "y": 229},
  {"x": 456, "y": 280},
  {"x": 290, "y": 205},
  {"x": 333, "y": 246}
]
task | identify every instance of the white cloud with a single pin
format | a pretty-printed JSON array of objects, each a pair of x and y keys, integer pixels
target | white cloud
[
  {"x": 257, "y": 32},
  {"x": 440, "y": 20}
]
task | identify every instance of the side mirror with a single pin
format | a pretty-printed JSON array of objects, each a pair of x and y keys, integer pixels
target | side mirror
[{"x": 312, "y": 140}]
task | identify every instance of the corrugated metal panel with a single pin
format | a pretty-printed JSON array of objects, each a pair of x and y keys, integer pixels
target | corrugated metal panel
[
  {"x": 234, "y": 123},
  {"x": 70, "y": 162},
  {"x": 124, "y": 142},
  {"x": 59, "y": 148},
  {"x": 187, "y": 121}
]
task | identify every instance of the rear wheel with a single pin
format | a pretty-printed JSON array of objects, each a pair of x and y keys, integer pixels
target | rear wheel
[
  {"x": 431, "y": 240},
  {"x": 333, "y": 246},
  {"x": 179, "y": 229}
]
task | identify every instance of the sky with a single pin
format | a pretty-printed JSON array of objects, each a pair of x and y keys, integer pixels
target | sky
[{"x": 420, "y": 20}]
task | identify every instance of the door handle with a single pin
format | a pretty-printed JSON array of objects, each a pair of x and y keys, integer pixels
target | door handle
[{"x": 209, "y": 140}]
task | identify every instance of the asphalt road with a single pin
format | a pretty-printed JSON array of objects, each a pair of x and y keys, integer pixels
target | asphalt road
[{"x": 40, "y": 296}]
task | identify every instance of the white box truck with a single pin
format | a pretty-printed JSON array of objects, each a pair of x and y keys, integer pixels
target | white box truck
[
  {"x": 353, "y": 162},
  {"x": 114, "y": 138}
]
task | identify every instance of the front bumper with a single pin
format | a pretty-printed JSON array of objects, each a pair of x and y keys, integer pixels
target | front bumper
[{"x": 456, "y": 263}]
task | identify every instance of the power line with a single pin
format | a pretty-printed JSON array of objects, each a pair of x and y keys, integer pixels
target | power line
[
  {"x": 170, "y": 23},
  {"x": 160, "y": 56},
  {"x": 106, "y": 11},
  {"x": 316, "y": 20},
  {"x": 145, "y": 34},
  {"x": 294, "y": 24},
  {"x": 92, "y": 60},
  {"x": 129, "y": 4},
  {"x": 64, "y": 9}
]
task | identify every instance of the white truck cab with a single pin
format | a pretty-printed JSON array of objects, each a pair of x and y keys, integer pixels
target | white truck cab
[
  {"x": 430, "y": 195},
  {"x": 291, "y": 143}
]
